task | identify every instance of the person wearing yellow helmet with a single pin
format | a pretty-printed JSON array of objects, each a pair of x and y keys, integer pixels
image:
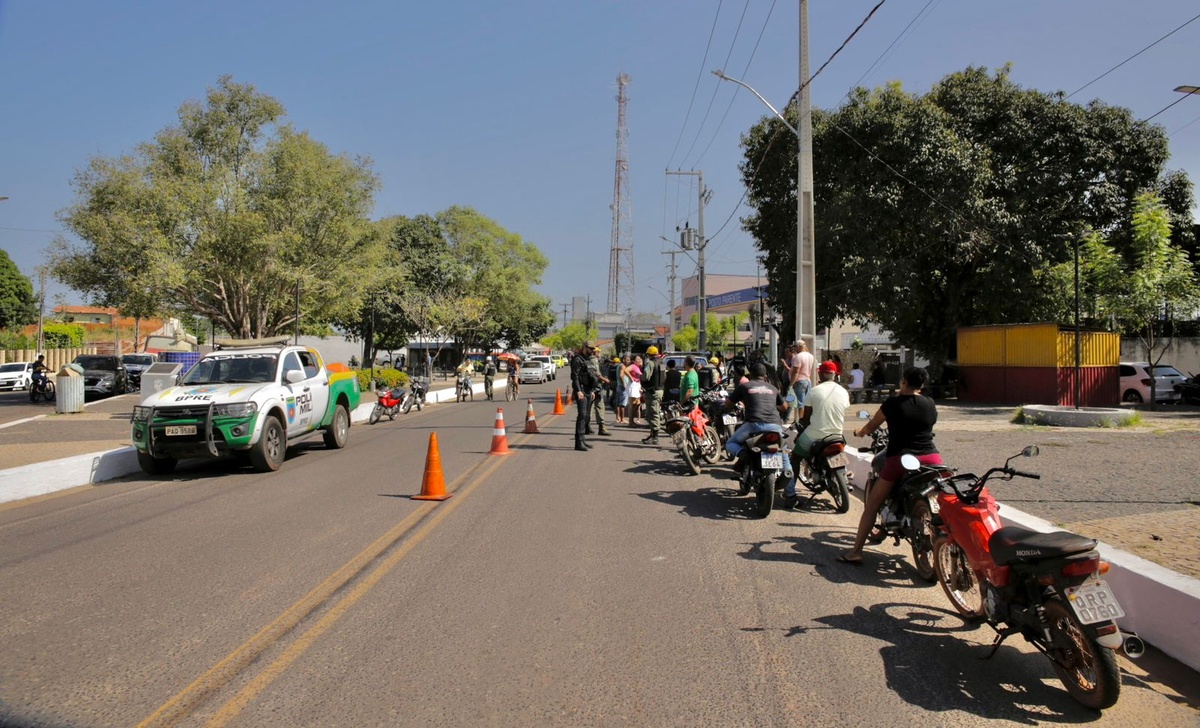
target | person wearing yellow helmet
[{"x": 653, "y": 379}]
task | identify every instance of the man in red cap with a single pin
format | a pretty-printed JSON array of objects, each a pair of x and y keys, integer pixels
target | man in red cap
[{"x": 824, "y": 415}]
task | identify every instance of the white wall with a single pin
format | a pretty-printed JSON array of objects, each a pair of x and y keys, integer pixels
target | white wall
[{"x": 1184, "y": 353}]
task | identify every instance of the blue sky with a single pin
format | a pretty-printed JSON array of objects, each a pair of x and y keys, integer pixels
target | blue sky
[{"x": 510, "y": 107}]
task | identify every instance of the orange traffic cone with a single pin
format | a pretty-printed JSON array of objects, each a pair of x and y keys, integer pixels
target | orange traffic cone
[
  {"x": 433, "y": 485},
  {"x": 558, "y": 406},
  {"x": 499, "y": 438},
  {"x": 530, "y": 420}
]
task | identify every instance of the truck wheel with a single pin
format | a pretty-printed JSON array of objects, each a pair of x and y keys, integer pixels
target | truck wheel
[
  {"x": 335, "y": 434},
  {"x": 267, "y": 454},
  {"x": 156, "y": 466}
]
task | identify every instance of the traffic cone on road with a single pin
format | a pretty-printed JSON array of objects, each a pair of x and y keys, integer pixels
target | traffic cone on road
[
  {"x": 558, "y": 405},
  {"x": 499, "y": 437},
  {"x": 433, "y": 485},
  {"x": 530, "y": 420}
]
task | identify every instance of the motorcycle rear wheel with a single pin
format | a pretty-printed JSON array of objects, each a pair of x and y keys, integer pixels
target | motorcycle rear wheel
[
  {"x": 922, "y": 546},
  {"x": 689, "y": 456},
  {"x": 839, "y": 488},
  {"x": 408, "y": 403},
  {"x": 376, "y": 413},
  {"x": 958, "y": 580},
  {"x": 712, "y": 446},
  {"x": 1087, "y": 670},
  {"x": 764, "y": 494}
]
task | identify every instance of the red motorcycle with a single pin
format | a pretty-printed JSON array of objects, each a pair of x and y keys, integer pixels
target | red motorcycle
[
  {"x": 1043, "y": 586},
  {"x": 388, "y": 404},
  {"x": 696, "y": 439}
]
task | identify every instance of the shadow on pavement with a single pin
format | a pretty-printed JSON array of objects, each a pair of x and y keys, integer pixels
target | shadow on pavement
[
  {"x": 719, "y": 504},
  {"x": 821, "y": 549},
  {"x": 928, "y": 664}
]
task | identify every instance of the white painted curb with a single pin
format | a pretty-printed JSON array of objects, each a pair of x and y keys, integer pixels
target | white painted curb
[{"x": 1161, "y": 605}]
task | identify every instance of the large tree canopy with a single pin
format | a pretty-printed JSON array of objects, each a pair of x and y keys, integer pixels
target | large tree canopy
[
  {"x": 950, "y": 208},
  {"x": 16, "y": 295},
  {"x": 227, "y": 215}
]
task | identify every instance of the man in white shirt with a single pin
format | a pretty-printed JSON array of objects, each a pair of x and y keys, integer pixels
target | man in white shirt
[
  {"x": 856, "y": 383},
  {"x": 825, "y": 416}
]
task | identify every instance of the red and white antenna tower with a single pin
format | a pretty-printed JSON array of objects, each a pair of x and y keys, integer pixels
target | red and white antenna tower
[{"x": 621, "y": 291}]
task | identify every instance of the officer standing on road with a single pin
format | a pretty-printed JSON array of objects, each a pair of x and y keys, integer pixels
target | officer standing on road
[
  {"x": 584, "y": 386},
  {"x": 593, "y": 365},
  {"x": 653, "y": 379}
]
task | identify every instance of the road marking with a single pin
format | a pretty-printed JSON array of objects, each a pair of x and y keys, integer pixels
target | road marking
[
  {"x": 181, "y": 705},
  {"x": 21, "y": 422}
]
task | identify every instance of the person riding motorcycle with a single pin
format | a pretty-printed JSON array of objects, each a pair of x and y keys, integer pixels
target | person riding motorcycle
[
  {"x": 824, "y": 415},
  {"x": 763, "y": 405},
  {"x": 910, "y": 419},
  {"x": 463, "y": 372}
]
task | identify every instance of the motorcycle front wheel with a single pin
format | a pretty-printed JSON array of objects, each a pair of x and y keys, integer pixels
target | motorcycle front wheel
[
  {"x": 712, "y": 446},
  {"x": 688, "y": 454},
  {"x": 408, "y": 403},
  {"x": 376, "y": 413},
  {"x": 764, "y": 494},
  {"x": 839, "y": 488},
  {"x": 1087, "y": 670},
  {"x": 922, "y": 543},
  {"x": 958, "y": 580}
]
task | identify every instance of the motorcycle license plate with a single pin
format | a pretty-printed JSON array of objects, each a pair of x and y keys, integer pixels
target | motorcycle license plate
[
  {"x": 731, "y": 420},
  {"x": 178, "y": 430},
  {"x": 837, "y": 461},
  {"x": 772, "y": 461},
  {"x": 1094, "y": 602}
]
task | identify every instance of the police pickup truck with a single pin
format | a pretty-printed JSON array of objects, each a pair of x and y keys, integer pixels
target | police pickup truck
[{"x": 249, "y": 398}]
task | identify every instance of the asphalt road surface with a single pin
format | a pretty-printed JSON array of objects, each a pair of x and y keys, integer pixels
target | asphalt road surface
[{"x": 554, "y": 588}]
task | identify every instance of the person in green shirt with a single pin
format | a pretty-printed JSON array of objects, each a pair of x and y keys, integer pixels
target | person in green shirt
[{"x": 689, "y": 386}]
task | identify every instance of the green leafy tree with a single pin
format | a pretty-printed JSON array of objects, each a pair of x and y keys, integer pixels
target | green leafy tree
[
  {"x": 570, "y": 337},
  {"x": 64, "y": 336},
  {"x": 229, "y": 215},
  {"x": 17, "y": 304},
  {"x": 947, "y": 209}
]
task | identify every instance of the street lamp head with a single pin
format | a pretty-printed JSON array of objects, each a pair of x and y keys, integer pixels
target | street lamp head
[
  {"x": 1188, "y": 89},
  {"x": 3, "y": 198}
]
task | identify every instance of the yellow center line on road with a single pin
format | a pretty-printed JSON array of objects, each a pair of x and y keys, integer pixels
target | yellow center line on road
[{"x": 182, "y": 704}]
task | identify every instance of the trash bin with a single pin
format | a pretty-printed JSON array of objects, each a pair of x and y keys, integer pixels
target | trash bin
[
  {"x": 69, "y": 390},
  {"x": 161, "y": 375}
]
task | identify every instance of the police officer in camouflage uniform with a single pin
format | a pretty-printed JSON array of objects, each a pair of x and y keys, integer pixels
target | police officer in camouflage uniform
[
  {"x": 653, "y": 378},
  {"x": 593, "y": 365}
]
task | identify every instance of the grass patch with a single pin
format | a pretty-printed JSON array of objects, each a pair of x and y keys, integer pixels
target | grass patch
[{"x": 1018, "y": 416}]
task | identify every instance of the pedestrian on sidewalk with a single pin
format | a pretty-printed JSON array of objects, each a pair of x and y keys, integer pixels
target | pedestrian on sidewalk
[
  {"x": 635, "y": 391},
  {"x": 653, "y": 379}
]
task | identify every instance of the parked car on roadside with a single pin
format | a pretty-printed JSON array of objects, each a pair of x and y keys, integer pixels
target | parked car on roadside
[
  {"x": 549, "y": 362},
  {"x": 16, "y": 375},
  {"x": 103, "y": 374},
  {"x": 533, "y": 371},
  {"x": 1135, "y": 382},
  {"x": 135, "y": 365}
]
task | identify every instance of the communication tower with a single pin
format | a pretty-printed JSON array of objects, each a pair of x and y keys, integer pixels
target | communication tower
[{"x": 620, "y": 261}]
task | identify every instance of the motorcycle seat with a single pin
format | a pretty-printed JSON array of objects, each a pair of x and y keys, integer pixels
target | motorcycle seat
[
  {"x": 753, "y": 441},
  {"x": 819, "y": 446},
  {"x": 1013, "y": 544}
]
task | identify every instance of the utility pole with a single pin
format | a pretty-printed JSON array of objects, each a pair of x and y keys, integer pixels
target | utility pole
[
  {"x": 806, "y": 298},
  {"x": 41, "y": 336},
  {"x": 702, "y": 304},
  {"x": 671, "y": 278},
  {"x": 565, "y": 306}
]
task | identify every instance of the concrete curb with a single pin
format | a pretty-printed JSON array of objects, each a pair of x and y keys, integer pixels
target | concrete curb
[{"x": 1161, "y": 606}]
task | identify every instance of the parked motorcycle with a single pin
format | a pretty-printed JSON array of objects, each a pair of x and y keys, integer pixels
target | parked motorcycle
[
  {"x": 725, "y": 423},
  {"x": 417, "y": 389},
  {"x": 41, "y": 387},
  {"x": 1046, "y": 587},
  {"x": 823, "y": 470},
  {"x": 696, "y": 439},
  {"x": 908, "y": 512},
  {"x": 764, "y": 459},
  {"x": 388, "y": 404}
]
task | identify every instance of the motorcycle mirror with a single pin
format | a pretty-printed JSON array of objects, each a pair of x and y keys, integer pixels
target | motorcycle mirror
[
  {"x": 863, "y": 415},
  {"x": 910, "y": 462},
  {"x": 1031, "y": 451}
]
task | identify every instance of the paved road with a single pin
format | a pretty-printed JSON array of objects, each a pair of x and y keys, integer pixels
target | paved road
[{"x": 554, "y": 588}]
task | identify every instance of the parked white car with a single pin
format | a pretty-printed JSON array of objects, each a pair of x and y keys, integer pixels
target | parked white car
[
  {"x": 1135, "y": 382},
  {"x": 16, "y": 375},
  {"x": 533, "y": 371},
  {"x": 550, "y": 365}
]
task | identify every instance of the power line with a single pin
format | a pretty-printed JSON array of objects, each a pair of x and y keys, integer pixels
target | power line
[
  {"x": 703, "y": 65},
  {"x": 1181, "y": 98},
  {"x": 1135, "y": 55},
  {"x": 886, "y": 51},
  {"x": 716, "y": 86},
  {"x": 835, "y": 53}
]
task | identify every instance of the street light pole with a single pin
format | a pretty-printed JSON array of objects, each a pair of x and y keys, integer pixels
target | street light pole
[{"x": 702, "y": 305}]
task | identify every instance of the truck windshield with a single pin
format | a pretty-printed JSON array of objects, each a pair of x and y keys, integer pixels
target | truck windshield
[{"x": 233, "y": 369}]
